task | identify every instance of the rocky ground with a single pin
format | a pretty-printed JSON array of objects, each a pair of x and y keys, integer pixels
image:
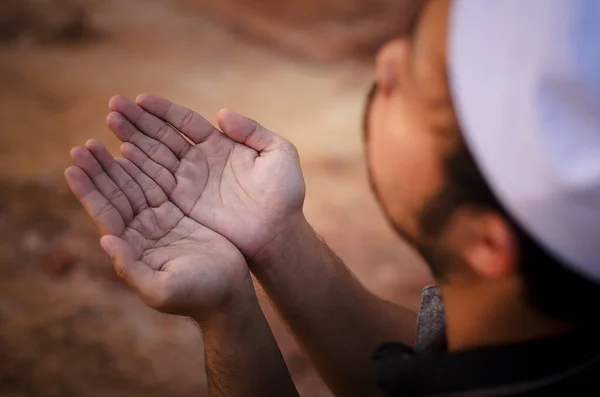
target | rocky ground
[{"x": 67, "y": 326}]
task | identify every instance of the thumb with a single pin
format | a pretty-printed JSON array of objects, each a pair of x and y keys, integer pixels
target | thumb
[
  {"x": 135, "y": 273},
  {"x": 248, "y": 132}
]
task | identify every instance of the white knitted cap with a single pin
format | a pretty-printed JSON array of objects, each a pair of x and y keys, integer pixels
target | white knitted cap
[{"x": 525, "y": 79}]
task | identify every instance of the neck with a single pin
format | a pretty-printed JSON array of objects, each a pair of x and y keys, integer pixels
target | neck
[{"x": 479, "y": 317}]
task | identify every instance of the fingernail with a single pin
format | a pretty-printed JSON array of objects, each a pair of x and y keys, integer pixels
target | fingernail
[{"x": 106, "y": 245}]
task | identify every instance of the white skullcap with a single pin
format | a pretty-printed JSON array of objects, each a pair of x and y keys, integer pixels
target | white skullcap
[{"x": 525, "y": 78}]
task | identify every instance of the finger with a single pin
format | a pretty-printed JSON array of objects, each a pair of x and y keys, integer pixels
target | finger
[
  {"x": 154, "y": 194},
  {"x": 155, "y": 171},
  {"x": 126, "y": 183},
  {"x": 127, "y": 132},
  {"x": 87, "y": 162},
  {"x": 150, "y": 125},
  {"x": 188, "y": 122},
  {"x": 248, "y": 132},
  {"x": 102, "y": 212},
  {"x": 128, "y": 266}
]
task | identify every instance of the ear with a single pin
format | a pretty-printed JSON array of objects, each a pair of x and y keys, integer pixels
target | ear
[
  {"x": 493, "y": 251},
  {"x": 391, "y": 60}
]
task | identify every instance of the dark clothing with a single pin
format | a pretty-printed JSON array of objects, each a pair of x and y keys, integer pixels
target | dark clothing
[
  {"x": 431, "y": 322},
  {"x": 565, "y": 365}
]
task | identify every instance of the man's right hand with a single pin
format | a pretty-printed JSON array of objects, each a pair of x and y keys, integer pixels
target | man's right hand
[{"x": 245, "y": 183}]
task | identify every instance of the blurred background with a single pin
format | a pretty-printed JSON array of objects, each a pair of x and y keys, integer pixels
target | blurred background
[{"x": 300, "y": 67}]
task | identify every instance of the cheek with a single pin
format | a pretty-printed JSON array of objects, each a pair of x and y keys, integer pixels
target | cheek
[{"x": 402, "y": 161}]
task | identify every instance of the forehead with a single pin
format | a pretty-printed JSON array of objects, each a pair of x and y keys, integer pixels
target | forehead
[
  {"x": 428, "y": 61},
  {"x": 428, "y": 55}
]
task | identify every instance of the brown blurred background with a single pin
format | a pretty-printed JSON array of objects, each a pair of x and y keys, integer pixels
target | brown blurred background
[{"x": 301, "y": 67}]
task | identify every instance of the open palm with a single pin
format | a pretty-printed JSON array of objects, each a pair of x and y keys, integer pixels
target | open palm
[
  {"x": 244, "y": 183},
  {"x": 175, "y": 264}
]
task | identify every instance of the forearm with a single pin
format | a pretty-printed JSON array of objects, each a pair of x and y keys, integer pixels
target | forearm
[
  {"x": 333, "y": 316},
  {"x": 242, "y": 357}
]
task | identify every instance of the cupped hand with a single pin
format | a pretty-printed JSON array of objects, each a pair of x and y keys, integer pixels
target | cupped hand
[
  {"x": 245, "y": 182},
  {"x": 176, "y": 264}
]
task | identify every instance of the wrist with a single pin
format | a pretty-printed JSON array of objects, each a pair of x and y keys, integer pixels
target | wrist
[
  {"x": 237, "y": 306},
  {"x": 239, "y": 301},
  {"x": 292, "y": 245}
]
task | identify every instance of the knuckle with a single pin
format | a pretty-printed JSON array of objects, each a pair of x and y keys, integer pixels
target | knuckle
[
  {"x": 186, "y": 120},
  {"x": 162, "y": 132},
  {"x": 121, "y": 271},
  {"x": 167, "y": 111},
  {"x": 103, "y": 210},
  {"x": 153, "y": 148},
  {"x": 252, "y": 129},
  {"x": 160, "y": 173},
  {"x": 153, "y": 186},
  {"x": 146, "y": 165},
  {"x": 139, "y": 117},
  {"x": 130, "y": 184},
  {"x": 139, "y": 204},
  {"x": 129, "y": 168},
  {"x": 115, "y": 194}
]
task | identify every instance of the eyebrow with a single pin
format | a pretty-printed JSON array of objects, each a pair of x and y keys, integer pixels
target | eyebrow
[
  {"x": 413, "y": 23},
  {"x": 367, "y": 111}
]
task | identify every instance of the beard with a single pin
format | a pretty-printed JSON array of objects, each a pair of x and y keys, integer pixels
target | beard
[{"x": 431, "y": 221}]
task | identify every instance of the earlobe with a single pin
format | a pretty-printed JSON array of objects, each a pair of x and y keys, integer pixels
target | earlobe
[
  {"x": 493, "y": 254},
  {"x": 389, "y": 63}
]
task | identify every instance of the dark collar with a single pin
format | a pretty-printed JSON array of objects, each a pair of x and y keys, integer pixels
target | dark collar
[{"x": 518, "y": 366}]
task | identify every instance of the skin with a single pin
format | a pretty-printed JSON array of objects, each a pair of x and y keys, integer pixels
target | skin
[
  {"x": 186, "y": 220},
  {"x": 178, "y": 266},
  {"x": 411, "y": 131},
  {"x": 226, "y": 184}
]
